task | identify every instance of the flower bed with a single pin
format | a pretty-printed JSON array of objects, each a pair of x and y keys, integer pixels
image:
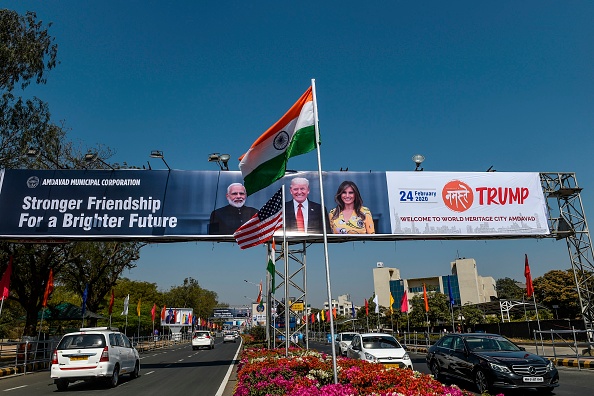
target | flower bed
[{"x": 264, "y": 372}]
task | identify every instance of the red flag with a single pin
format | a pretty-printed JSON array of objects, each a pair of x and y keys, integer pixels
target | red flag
[
  {"x": 5, "y": 282},
  {"x": 111, "y": 302},
  {"x": 366, "y": 307},
  {"x": 404, "y": 303},
  {"x": 529, "y": 288},
  {"x": 328, "y": 316},
  {"x": 425, "y": 297},
  {"x": 153, "y": 312},
  {"x": 49, "y": 288},
  {"x": 163, "y": 313},
  {"x": 261, "y": 227}
]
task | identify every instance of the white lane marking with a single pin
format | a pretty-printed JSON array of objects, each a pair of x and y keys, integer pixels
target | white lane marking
[
  {"x": 149, "y": 373},
  {"x": 224, "y": 383},
  {"x": 16, "y": 387}
]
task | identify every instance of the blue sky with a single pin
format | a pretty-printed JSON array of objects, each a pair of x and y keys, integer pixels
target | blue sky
[{"x": 468, "y": 85}]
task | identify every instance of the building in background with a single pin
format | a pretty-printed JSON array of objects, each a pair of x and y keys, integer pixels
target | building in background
[
  {"x": 343, "y": 305},
  {"x": 468, "y": 287}
]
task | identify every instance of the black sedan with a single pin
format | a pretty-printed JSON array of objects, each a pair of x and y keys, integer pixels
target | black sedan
[{"x": 490, "y": 361}]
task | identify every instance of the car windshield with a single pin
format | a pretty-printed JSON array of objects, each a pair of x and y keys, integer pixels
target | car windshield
[
  {"x": 81, "y": 341},
  {"x": 348, "y": 337},
  {"x": 380, "y": 342},
  {"x": 491, "y": 344}
]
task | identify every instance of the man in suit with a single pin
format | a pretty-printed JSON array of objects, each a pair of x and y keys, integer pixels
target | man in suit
[
  {"x": 226, "y": 220},
  {"x": 301, "y": 214}
]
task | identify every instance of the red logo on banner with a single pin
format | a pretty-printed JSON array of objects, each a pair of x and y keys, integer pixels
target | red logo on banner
[{"x": 457, "y": 196}]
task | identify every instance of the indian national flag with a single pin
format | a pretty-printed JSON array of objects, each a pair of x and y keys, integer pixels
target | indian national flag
[{"x": 292, "y": 135}]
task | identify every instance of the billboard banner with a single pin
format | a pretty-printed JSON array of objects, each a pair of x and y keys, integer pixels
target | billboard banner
[
  {"x": 176, "y": 316},
  {"x": 481, "y": 203},
  {"x": 46, "y": 205}
]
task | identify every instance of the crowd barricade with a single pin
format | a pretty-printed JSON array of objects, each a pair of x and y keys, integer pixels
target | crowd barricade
[{"x": 22, "y": 357}]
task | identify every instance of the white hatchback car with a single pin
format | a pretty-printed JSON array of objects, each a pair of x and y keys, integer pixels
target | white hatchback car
[
  {"x": 343, "y": 340},
  {"x": 379, "y": 348},
  {"x": 93, "y": 353},
  {"x": 202, "y": 338},
  {"x": 228, "y": 336}
]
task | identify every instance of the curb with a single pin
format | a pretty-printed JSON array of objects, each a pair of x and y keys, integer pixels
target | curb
[
  {"x": 30, "y": 367},
  {"x": 581, "y": 363}
]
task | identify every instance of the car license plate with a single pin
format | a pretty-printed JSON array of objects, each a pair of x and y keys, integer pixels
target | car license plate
[
  {"x": 79, "y": 357},
  {"x": 533, "y": 379},
  {"x": 392, "y": 365}
]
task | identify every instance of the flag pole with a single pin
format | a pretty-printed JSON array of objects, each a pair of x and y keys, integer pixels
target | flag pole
[
  {"x": 1, "y": 305},
  {"x": 325, "y": 231}
]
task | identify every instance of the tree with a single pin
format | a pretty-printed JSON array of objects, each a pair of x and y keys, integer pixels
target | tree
[
  {"x": 27, "y": 53},
  {"x": 27, "y": 50},
  {"x": 558, "y": 288},
  {"x": 191, "y": 295},
  {"x": 508, "y": 289},
  {"x": 98, "y": 265}
]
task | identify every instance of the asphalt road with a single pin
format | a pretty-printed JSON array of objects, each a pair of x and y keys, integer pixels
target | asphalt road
[
  {"x": 173, "y": 371},
  {"x": 180, "y": 370},
  {"x": 573, "y": 382}
]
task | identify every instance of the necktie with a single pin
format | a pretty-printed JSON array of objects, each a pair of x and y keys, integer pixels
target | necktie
[{"x": 300, "y": 222}]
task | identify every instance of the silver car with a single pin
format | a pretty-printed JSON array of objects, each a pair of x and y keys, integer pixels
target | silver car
[
  {"x": 93, "y": 353},
  {"x": 343, "y": 340},
  {"x": 379, "y": 348}
]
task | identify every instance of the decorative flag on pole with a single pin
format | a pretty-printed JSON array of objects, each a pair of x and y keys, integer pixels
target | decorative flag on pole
[
  {"x": 450, "y": 292},
  {"x": 404, "y": 303},
  {"x": 318, "y": 317},
  {"x": 391, "y": 303},
  {"x": 292, "y": 135},
  {"x": 323, "y": 316},
  {"x": 126, "y": 301},
  {"x": 366, "y": 307},
  {"x": 270, "y": 267},
  {"x": 425, "y": 298},
  {"x": 334, "y": 313},
  {"x": 5, "y": 282},
  {"x": 376, "y": 301},
  {"x": 84, "y": 299},
  {"x": 262, "y": 225},
  {"x": 353, "y": 309},
  {"x": 529, "y": 287},
  {"x": 49, "y": 288},
  {"x": 259, "y": 299},
  {"x": 111, "y": 301},
  {"x": 163, "y": 313},
  {"x": 153, "y": 312},
  {"x": 138, "y": 307}
]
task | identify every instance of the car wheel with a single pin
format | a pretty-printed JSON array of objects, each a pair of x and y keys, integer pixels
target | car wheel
[
  {"x": 134, "y": 373},
  {"x": 62, "y": 385},
  {"x": 115, "y": 377},
  {"x": 212, "y": 346},
  {"x": 481, "y": 381},
  {"x": 435, "y": 370}
]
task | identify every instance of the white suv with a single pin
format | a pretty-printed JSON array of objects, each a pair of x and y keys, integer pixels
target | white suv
[
  {"x": 93, "y": 353},
  {"x": 202, "y": 338}
]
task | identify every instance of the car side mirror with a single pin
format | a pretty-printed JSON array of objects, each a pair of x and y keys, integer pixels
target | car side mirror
[{"x": 522, "y": 348}]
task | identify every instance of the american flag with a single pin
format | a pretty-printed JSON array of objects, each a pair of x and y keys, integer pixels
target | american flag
[{"x": 262, "y": 225}]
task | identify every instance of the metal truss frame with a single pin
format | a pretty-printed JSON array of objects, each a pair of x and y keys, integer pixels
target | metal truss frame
[
  {"x": 292, "y": 285},
  {"x": 567, "y": 220}
]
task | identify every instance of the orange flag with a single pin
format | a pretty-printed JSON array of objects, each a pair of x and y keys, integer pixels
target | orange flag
[
  {"x": 425, "y": 297},
  {"x": 111, "y": 302},
  {"x": 49, "y": 288}
]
